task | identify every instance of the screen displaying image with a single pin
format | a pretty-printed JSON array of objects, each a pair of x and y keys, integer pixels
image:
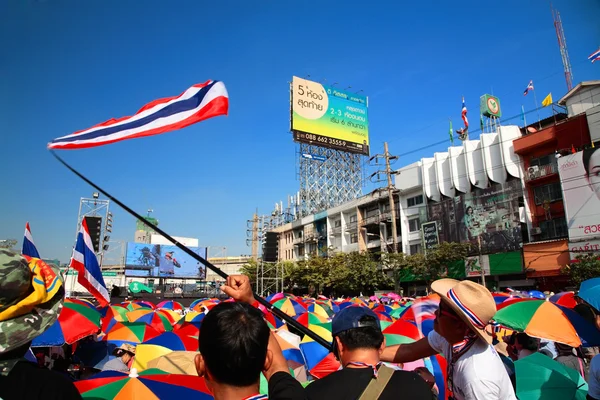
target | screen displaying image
[{"x": 165, "y": 260}]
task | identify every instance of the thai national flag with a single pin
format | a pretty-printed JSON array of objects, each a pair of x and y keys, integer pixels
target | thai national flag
[
  {"x": 528, "y": 88},
  {"x": 84, "y": 261},
  {"x": 199, "y": 102},
  {"x": 595, "y": 56},
  {"x": 29, "y": 248},
  {"x": 464, "y": 113}
]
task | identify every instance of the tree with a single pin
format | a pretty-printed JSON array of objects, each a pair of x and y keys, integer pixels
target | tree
[
  {"x": 438, "y": 259},
  {"x": 586, "y": 266},
  {"x": 251, "y": 270},
  {"x": 355, "y": 273}
]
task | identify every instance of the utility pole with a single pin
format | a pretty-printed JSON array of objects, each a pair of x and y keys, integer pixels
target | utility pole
[
  {"x": 255, "y": 237},
  {"x": 390, "y": 188}
]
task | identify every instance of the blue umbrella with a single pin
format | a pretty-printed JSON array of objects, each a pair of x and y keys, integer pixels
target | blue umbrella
[
  {"x": 536, "y": 294},
  {"x": 588, "y": 333},
  {"x": 590, "y": 292}
]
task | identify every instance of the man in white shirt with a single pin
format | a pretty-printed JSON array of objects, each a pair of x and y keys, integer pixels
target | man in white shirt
[{"x": 475, "y": 371}]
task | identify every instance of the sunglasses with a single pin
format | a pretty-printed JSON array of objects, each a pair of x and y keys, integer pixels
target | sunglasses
[{"x": 441, "y": 311}]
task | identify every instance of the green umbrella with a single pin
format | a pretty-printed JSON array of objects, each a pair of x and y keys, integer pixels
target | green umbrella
[{"x": 541, "y": 378}]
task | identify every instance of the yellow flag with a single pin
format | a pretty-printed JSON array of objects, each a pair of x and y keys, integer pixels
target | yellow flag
[{"x": 547, "y": 101}]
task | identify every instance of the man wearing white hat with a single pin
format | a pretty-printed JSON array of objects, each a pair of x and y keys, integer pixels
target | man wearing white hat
[{"x": 475, "y": 371}]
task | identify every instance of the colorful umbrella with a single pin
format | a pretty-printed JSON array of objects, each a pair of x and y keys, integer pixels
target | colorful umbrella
[
  {"x": 187, "y": 328},
  {"x": 566, "y": 299},
  {"x": 159, "y": 320},
  {"x": 160, "y": 346},
  {"x": 176, "y": 362},
  {"x": 320, "y": 309},
  {"x": 171, "y": 305},
  {"x": 130, "y": 332},
  {"x": 310, "y": 318},
  {"x": 401, "y": 332},
  {"x": 83, "y": 302},
  {"x": 590, "y": 292},
  {"x": 148, "y": 385},
  {"x": 290, "y": 347},
  {"x": 540, "y": 377},
  {"x": 510, "y": 301},
  {"x": 536, "y": 294},
  {"x": 205, "y": 305},
  {"x": 193, "y": 317},
  {"x": 500, "y": 297},
  {"x": 398, "y": 312},
  {"x": 541, "y": 319},
  {"x": 132, "y": 306},
  {"x": 74, "y": 322},
  {"x": 289, "y": 306}
]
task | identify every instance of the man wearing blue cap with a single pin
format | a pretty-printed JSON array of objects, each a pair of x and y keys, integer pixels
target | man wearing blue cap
[{"x": 358, "y": 343}]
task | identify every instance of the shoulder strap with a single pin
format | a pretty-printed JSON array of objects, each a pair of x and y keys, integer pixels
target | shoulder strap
[{"x": 377, "y": 385}]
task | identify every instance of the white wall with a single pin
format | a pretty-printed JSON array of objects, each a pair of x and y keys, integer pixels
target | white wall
[{"x": 583, "y": 100}]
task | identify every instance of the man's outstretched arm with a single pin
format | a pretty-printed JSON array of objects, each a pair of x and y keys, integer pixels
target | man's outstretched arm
[{"x": 402, "y": 353}]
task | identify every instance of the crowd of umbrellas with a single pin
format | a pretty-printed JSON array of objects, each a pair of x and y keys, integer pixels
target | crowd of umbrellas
[{"x": 166, "y": 339}]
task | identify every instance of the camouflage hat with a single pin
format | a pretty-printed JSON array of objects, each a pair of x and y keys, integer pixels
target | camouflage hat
[{"x": 31, "y": 298}]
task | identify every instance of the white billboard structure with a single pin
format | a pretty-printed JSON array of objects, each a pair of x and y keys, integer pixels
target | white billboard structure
[
  {"x": 580, "y": 181},
  {"x": 159, "y": 239}
]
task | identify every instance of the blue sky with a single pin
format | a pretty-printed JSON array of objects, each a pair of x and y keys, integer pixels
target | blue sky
[{"x": 67, "y": 65}]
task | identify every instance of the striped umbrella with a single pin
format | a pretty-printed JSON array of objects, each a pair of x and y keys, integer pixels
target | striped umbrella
[
  {"x": 310, "y": 318},
  {"x": 500, "y": 297},
  {"x": 152, "y": 384},
  {"x": 187, "y": 328},
  {"x": 205, "y": 305},
  {"x": 74, "y": 322},
  {"x": 401, "y": 332},
  {"x": 130, "y": 332},
  {"x": 171, "y": 305},
  {"x": 566, "y": 299},
  {"x": 541, "y": 319},
  {"x": 160, "y": 346},
  {"x": 159, "y": 320},
  {"x": 290, "y": 307},
  {"x": 132, "y": 306},
  {"x": 320, "y": 309}
]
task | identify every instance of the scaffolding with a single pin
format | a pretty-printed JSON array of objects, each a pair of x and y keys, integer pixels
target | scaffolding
[
  {"x": 328, "y": 178},
  {"x": 269, "y": 278}
]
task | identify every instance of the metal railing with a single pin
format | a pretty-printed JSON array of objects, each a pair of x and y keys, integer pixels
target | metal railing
[{"x": 541, "y": 171}]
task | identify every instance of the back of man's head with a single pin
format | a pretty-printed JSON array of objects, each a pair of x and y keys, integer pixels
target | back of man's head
[
  {"x": 233, "y": 343},
  {"x": 357, "y": 328}
]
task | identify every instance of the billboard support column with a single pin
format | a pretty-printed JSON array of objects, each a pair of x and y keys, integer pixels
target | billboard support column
[{"x": 480, "y": 261}]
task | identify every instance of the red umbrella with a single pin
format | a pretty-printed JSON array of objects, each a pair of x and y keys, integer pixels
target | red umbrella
[{"x": 566, "y": 299}]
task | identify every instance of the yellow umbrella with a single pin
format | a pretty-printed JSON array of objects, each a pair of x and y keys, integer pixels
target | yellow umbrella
[
  {"x": 176, "y": 362},
  {"x": 144, "y": 353}
]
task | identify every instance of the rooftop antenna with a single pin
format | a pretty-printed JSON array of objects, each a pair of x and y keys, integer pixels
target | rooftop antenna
[{"x": 562, "y": 44}]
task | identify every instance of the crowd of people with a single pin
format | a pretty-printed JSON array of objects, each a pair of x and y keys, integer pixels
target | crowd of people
[{"x": 236, "y": 346}]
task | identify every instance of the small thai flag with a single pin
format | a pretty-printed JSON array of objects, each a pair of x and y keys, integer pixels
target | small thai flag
[
  {"x": 84, "y": 261},
  {"x": 199, "y": 102},
  {"x": 595, "y": 56},
  {"x": 528, "y": 88},
  {"x": 464, "y": 113},
  {"x": 29, "y": 248}
]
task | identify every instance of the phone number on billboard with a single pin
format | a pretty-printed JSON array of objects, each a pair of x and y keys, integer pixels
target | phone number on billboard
[
  {"x": 325, "y": 140},
  {"x": 333, "y": 143}
]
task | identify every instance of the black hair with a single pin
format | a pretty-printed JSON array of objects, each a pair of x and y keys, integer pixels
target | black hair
[
  {"x": 233, "y": 342},
  {"x": 586, "y": 156},
  {"x": 527, "y": 341},
  {"x": 366, "y": 337}
]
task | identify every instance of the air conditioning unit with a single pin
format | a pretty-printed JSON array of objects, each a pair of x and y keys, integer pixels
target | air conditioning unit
[
  {"x": 536, "y": 231},
  {"x": 533, "y": 172}
]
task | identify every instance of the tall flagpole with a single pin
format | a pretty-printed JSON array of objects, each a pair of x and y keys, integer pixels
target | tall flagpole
[
  {"x": 536, "y": 107},
  {"x": 291, "y": 321}
]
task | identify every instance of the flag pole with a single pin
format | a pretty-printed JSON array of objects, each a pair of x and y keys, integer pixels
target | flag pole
[
  {"x": 199, "y": 258},
  {"x": 537, "y": 108}
]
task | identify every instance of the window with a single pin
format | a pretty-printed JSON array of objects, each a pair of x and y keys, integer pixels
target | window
[
  {"x": 353, "y": 218},
  {"x": 544, "y": 160},
  {"x": 354, "y": 238},
  {"x": 413, "y": 201},
  {"x": 415, "y": 248},
  {"x": 550, "y": 192},
  {"x": 554, "y": 229},
  {"x": 337, "y": 223},
  {"x": 414, "y": 225},
  {"x": 372, "y": 213}
]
